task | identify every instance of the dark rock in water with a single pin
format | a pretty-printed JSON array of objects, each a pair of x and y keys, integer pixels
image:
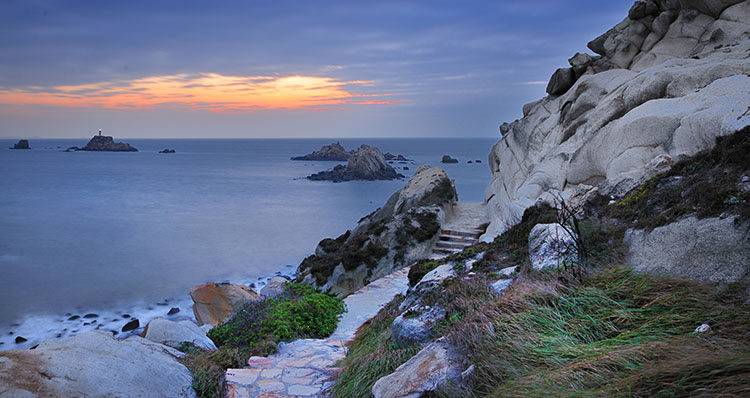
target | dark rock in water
[
  {"x": 406, "y": 168},
  {"x": 73, "y": 149},
  {"x": 469, "y": 161},
  {"x": 73, "y": 318},
  {"x": 22, "y": 144},
  {"x": 132, "y": 325},
  {"x": 34, "y": 347},
  {"x": 448, "y": 159},
  {"x": 167, "y": 151},
  {"x": 398, "y": 158},
  {"x": 334, "y": 152},
  {"x": 126, "y": 316},
  {"x": 173, "y": 311},
  {"x": 90, "y": 316},
  {"x": 477, "y": 161},
  {"x": 20, "y": 340},
  {"x": 107, "y": 143},
  {"x": 368, "y": 163}
]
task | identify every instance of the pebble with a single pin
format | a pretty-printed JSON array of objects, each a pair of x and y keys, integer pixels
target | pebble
[
  {"x": 73, "y": 318},
  {"x": 20, "y": 340},
  {"x": 173, "y": 311},
  {"x": 89, "y": 316}
]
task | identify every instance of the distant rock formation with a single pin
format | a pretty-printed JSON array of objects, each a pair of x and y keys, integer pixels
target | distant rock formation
[
  {"x": 107, "y": 143},
  {"x": 167, "y": 151},
  {"x": 334, "y": 152},
  {"x": 396, "y": 158},
  {"x": 666, "y": 82},
  {"x": 22, "y": 144},
  {"x": 448, "y": 159},
  {"x": 390, "y": 238},
  {"x": 368, "y": 163}
]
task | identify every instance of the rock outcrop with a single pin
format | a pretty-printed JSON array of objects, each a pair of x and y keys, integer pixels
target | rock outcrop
[
  {"x": 448, "y": 159},
  {"x": 21, "y": 144},
  {"x": 333, "y": 152},
  {"x": 174, "y": 334},
  {"x": 94, "y": 364},
  {"x": 550, "y": 245},
  {"x": 214, "y": 302},
  {"x": 107, "y": 144},
  {"x": 393, "y": 236},
  {"x": 714, "y": 250},
  {"x": 274, "y": 288},
  {"x": 668, "y": 80},
  {"x": 416, "y": 325},
  {"x": 368, "y": 163},
  {"x": 435, "y": 365}
]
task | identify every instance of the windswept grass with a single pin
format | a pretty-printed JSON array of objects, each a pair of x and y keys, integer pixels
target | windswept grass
[{"x": 615, "y": 334}]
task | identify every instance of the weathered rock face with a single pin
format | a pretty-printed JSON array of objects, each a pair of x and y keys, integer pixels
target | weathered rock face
[
  {"x": 21, "y": 144},
  {"x": 106, "y": 143},
  {"x": 664, "y": 86},
  {"x": 434, "y": 366},
  {"x": 390, "y": 238},
  {"x": 94, "y": 364},
  {"x": 333, "y": 152},
  {"x": 712, "y": 250},
  {"x": 214, "y": 302},
  {"x": 173, "y": 334},
  {"x": 550, "y": 245},
  {"x": 368, "y": 163}
]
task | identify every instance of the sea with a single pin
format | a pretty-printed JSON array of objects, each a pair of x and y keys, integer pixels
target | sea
[{"x": 93, "y": 240}]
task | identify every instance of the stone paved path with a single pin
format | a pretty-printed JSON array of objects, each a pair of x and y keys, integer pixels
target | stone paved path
[{"x": 302, "y": 368}]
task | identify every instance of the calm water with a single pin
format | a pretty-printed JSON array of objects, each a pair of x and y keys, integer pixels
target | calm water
[{"x": 132, "y": 232}]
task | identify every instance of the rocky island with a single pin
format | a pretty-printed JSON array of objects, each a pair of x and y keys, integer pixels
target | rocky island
[
  {"x": 107, "y": 144},
  {"x": 333, "y": 152},
  {"x": 21, "y": 144},
  {"x": 367, "y": 163}
]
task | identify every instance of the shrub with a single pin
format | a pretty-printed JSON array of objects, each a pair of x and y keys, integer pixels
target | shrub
[{"x": 420, "y": 269}]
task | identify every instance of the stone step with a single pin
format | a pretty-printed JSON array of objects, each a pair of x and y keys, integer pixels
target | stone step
[
  {"x": 453, "y": 245},
  {"x": 457, "y": 238},
  {"x": 473, "y": 233}
]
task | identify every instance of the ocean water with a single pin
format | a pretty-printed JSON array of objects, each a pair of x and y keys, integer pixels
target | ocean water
[{"x": 116, "y": 234}]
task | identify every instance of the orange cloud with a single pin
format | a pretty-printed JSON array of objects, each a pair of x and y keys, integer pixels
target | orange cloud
[{"x": 207, "y": 91}]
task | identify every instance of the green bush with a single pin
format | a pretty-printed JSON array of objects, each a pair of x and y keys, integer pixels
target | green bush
[
  {"x": 420, "y": 269},
  {"x": 300, "y": 312}
]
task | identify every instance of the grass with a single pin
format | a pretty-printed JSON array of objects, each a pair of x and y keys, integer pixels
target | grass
[
  {"x": 256, "y": 328},
  {"x": 615, "y": 334}
]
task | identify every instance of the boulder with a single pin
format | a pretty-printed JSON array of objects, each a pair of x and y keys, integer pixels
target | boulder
[
  {"x": 663, "y": 88},
  {"x": 415, "y": 325},
  {"x": 21, "y": 144},
  {"x": 132, "y": 325},
  {"x": 333, "y": 152},
  {"x": 214, "y": 302},
  {"x": 108, "y": 144},
  {"x": 173, "y": 334},
  {"x": 714, "y": 250},
  {"x": 561, "y": 81},
  {"x": 550, "y": 245},
  {"x": 500, "y": 285},
  {"x": 365, "y": 164},
  {"x": 274, "y": 288},
  {"x": 397, "y": 234},
  {"x": 435, "y": 365},
  {"x": 94, "y": 364},
  {"x": 448, "y": 159}
]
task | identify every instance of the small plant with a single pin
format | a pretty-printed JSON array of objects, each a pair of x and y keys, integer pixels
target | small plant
[{"x": 420, "y": 269}]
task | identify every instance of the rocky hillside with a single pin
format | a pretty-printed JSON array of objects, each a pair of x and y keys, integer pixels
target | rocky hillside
[
  {"x": 390, "y": 238},
  {"x": 667, "y": 81}
]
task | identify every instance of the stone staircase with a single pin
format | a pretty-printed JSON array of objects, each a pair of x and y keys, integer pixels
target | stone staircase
[
  {"x": 454, "y": 241},
  {"x": 462, "y": 229}
]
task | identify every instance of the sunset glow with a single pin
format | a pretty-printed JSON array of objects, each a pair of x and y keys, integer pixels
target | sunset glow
[{"x": 205, "y": 91}]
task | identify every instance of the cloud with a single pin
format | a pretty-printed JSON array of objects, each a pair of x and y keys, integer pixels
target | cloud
[{"x": 203, "y": 91}]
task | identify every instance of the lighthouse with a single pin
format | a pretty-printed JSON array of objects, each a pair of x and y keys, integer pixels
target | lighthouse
[{"x": 100, "y": 132}]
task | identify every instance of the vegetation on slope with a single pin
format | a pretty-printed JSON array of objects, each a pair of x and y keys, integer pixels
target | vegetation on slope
[
  {"x": 256, "y": 328},
  {"x": 604, "y": 331}
]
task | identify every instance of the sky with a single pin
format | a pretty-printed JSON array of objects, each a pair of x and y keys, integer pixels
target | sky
[{"x": 283, "y": 69}]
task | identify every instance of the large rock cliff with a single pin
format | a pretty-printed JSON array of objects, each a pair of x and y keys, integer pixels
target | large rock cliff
[{"x": 668, "y": 80}]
